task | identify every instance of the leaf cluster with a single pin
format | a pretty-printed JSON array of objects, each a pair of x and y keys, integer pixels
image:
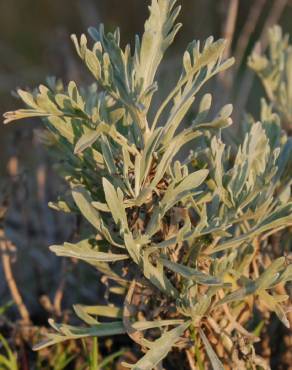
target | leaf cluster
[{"x": 181, "y": 238}]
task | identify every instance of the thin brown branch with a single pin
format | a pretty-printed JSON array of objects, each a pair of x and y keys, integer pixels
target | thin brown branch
[
  {"x": 273, "y": 18},
  {"x": 229, "y": 26},
  {"x": 247, "y": 30},
  {"x": 128, "y": 313},
  {"x": 191, "y": 360},
  {"x": 5, "y": 248},
  {"x": 225, "y": 78},
  {"x": 60, "y": 290}
]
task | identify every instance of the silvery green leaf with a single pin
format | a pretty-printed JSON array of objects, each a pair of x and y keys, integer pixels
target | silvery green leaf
[
  {"x": 164, "y": 163},
  {"x": 286, "y": 275},
  {"x": 191, "y": 273},
  {"x": 204, "y": 108},
  {"x": 185, "y": 188},
  {"x": 114, "y": 200},
  {"x": 271, "y": 302},
  {"x": 216, "y": 363},
  {"x": 132, "y": 247},
  {"x": 23, "y": 113},
  {"x": 108, "y": 155},
  {"x": 160, "y": 348},
  {"x": 93, "y": 64},
  {"x": 222, "y": 119},
  {"x": 201, "y": 306},
  {"x": 103, "y": 311},
  {"x": 61, "y": 206},
  {"x": 157, "y": 277},
  {"x": 28, "y": 98},
  {"x": 101, "y": 206},
  {"x": 282, "y": 216},
  {"x": 83, "y": 315},
  {"x": 275, "y": 72},
  {"x": 84, "y": 202},
  {"x": 160, "y": 30},
  {"x": 181, "y": 106},
  {"x": 138, "y": 174},
  {"x": 63, "y": 126},
  {"x": 145, "y": 325},
  {"x": 270, "y": 275},
  {"x": 239, "y": 294},
  {"x": 67, "y": 332},
  {"x": 86, "y": 141},
  {"x": 86, "y": 253},
  {"x": 148, "y": 153}
]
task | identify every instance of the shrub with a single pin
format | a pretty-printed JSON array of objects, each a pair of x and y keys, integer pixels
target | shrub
[{"x": 184, "y": 240}]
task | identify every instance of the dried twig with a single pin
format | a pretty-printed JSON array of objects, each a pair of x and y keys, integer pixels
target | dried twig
[
  {"x": 191, "y": 360},
  {"x": 247, "y": 30},
  {"x": 229, "y": 26},
  {"x": 273, "y": 18},
  {"x": 224, "y": 78},
  {"x": 5, "y": 248},
  {"x": 128, "y": 313},
  {"x": 60, "y": 290}
]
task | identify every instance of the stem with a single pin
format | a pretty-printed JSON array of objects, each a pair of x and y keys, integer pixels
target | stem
[
  {"x": 60, "y": 291},
  {"x": 179, "y": 86},
  {"x": 247, "y": 30},
  {"x": 5, "y": 247},
  {"x": 229, "y": 27},
  {"x": 191, "y": 359},
  {"x": 94, "y": 355},
  {"x": 198, "y": 357},
  {"x": 164, "y": 105}
]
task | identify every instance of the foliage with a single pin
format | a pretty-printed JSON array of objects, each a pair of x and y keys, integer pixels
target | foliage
[
  {"x": 275, "y": 72},
  {"x": 8, "y": 361},
  {"x": 184, "y": 239}
]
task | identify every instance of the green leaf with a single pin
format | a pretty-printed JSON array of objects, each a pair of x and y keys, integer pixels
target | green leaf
[
  {"x": 86, "y": 253},
  {"x": 110, "y": 358},
  {"x": 145, "y": 325},
  {"x": 84, "y": 202},
  {"x": 133, "y": 248},
  {"x": 160, "y": 348},
  {"x": 157, "y": 277},
  {"x": 160, "y": 30},
  {"x": 67, "y": 332},
  {"x": 282, "y": 216},
  {"x": 81, "y": 312},
  {"x": 270, "y": 275},
  {"x": 221, "y": 120},
  {"x": 86, "y": 141},
  {"x": 216, "y": 363},
  {"x": 239, "y": 294},
  {"x": 191, "y": 273},
  {"x": 271, "y": 302},
  {"x": 114, "y": 201},
  {"x": 177, "y": 192},
  {"x": 104, "y": 311}
]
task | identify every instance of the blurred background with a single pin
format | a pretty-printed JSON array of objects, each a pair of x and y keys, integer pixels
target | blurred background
[
  {"x": 35, "y": 43},
  {"x": 35, "y": 38}
]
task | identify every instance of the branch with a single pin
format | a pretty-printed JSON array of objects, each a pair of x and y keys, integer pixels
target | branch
[
  {"x": 229, "y": 27},
  {"x": 248, "y": 29},
  {"x": 5, "y": 248}
]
